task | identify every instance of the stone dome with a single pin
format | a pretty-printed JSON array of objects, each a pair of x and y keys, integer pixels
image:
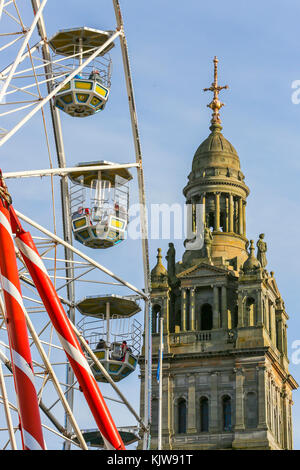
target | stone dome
[{"x": 216, "y": 151}]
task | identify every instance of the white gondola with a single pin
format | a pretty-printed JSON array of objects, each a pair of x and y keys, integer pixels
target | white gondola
[
  {"x": 99, "y": 205},
  {"x": 112, "y": 333}
]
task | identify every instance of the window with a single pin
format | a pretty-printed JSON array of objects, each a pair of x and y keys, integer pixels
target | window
[
  {"x": 206, "y": 319},
  {"x": 204, "y": 418},
  {"x": 156, "y": 309},
  {"x": 226, "y": 406},
  {"x": 251, "y": 410},
  {"x": 182, "y": 416},
  {"x": 154, "y": 413}
]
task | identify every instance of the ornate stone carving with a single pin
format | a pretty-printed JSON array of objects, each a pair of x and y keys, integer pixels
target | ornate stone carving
[{"x": 261, "y": 250}]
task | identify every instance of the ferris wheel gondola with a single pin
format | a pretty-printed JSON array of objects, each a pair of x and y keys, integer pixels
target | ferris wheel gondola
[{"x": 111, "y": 332}]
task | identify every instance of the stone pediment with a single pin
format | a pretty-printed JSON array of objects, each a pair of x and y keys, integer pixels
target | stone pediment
[
  {"x": 272, "y": 283},
  {"x": 202, "y": 270}
]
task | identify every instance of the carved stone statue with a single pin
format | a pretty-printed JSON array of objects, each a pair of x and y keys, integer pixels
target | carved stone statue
[
  {"x": 171, "y": 260},
  {"x": 261, "y": 250},
  {"x": 207, "y": 242}
]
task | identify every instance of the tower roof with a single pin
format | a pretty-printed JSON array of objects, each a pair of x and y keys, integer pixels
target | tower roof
[
  {"x": 216, "y": 158},
  {"x": 159, "y": 274}
]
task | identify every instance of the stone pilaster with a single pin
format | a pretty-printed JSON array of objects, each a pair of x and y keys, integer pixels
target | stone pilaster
[
  {"x": 214, "y": 425},
  {"x": 224, "y": 307},
  {"x": 262, "y": 398},
  {"x": 259, "y": 309},
  {"x": 216, "y": 307},
  {"x": 239, "y": 399},
  {"x": 191, "y": 411}
]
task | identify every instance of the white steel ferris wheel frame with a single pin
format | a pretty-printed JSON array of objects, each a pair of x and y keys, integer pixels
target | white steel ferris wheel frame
[{"x": 63, "y": 171}]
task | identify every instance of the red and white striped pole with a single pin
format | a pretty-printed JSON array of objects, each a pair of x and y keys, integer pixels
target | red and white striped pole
[
  {"x": 30, "y": 421},
  {"x": 68, "y": 339}
]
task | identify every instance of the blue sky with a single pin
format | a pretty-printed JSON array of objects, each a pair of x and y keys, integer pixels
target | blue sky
[{"x": 171, "y": 47}]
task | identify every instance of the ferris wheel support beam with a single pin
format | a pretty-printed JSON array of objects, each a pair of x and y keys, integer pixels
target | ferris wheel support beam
[
  {"x": 8, "y": 418},
  {"x": 45, "y": 100},
  {"x": 64, "y": 188},
  {"x": 143, "y": 216},
  {"x": 65, "y": 197},
  {"x": 64, "y": 171},
  {"x": 43, "y": 407},
  {"x": 1, "y": 7},
  {"x": 22, "y": 49},
  {"x": 30, "y": 422},
  {"x": 81, "y": 254},
  {"x": 55, "y": 382},
  {"x": 24, "y": 56}
]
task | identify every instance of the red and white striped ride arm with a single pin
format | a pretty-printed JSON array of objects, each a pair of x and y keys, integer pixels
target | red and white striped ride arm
[
  {"x": 30, "y": 421},
  {"x": 69, "y": 341}
]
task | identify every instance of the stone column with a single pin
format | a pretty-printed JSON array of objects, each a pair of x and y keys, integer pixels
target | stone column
[
  {"x": 284, "y": 418},
  {"x": 231, "y": 213},
  {"x": 224, "y": 307},
  {"x": 192, "y": 309},
  {"x": 203, "y": 198},
  {"x": 240, "y": 216},
  {"x": 244, "y": 218},
  {"x": 217, "y": 212},
  {"x": 216, "y": 307},
  {"x": 214, "y": 425},
  {"x": 226, "y": 214},
  {"x": 236, "y": 212},
  {"x": 279, "y": 336},
  {"x": 262, "y": 399},
  {"x": 259, "y": 314},
  {"x": 240, "y": 310},
  {"x": 183, "y": 309},
  {"x": 273, "y": 325},
  {"x": 239, "y": 399},
  {"x": 191, "y": 411}
]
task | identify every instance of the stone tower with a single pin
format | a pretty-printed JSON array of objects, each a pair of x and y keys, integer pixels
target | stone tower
[{"x": 226, "y": 382}]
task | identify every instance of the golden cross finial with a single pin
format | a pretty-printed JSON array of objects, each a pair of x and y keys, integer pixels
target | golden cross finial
[{"x": 215, "y": 104}]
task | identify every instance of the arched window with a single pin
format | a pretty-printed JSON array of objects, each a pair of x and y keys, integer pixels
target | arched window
[
  {"x": 226, "y": 408},
  {"x": 250, "y": 306},
  {"x": 181, "y": 416},
  {"x": 206, "y": 319},
  {"x": 156, "y": 309},
  {"x": 251, "y": 410},
  {"x": 204, "y": 414}
]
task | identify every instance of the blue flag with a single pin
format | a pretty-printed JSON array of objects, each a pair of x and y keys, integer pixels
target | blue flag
[{"x": 158, "y": 366}]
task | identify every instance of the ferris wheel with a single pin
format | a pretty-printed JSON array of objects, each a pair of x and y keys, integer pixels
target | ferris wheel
[{"x": 59, "y": 345}]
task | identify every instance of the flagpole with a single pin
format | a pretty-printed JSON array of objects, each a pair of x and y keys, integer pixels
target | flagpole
[{"x": 160, "y": 384}]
